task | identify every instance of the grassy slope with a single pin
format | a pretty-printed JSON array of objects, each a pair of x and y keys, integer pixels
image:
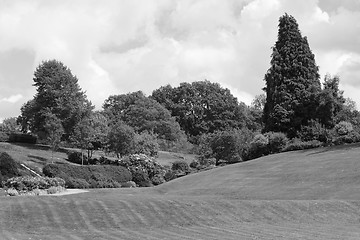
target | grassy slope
[
  {"x": 297, "y": 195},
  {"x": 324, "y": 173}
]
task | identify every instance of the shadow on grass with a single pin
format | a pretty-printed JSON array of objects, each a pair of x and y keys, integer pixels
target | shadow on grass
[
  {"x": 42, "y": 159},
  {"x": 38, "y": 147}
]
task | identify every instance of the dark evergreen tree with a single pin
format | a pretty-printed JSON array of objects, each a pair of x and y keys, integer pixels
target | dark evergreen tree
[
  {"x": 292, "y": 82},
  {"x": 58, "y": 93}
]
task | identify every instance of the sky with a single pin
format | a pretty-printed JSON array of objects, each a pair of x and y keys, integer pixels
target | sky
[{"x": 121, "y": 46}]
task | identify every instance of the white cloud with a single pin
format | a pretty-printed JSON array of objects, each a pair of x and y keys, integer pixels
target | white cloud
[
  {"x": 12, "y": 99},
  {"x": 122, "y": 46}
]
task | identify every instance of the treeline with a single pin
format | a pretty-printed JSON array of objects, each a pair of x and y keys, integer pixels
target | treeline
[{"x": 296, "y": 112}]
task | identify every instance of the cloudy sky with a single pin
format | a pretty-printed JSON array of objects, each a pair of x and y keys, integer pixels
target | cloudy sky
[{"x": 121, "y": 46}]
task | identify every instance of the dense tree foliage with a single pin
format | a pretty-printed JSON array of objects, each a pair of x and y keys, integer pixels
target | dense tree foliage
[
  {"x": 58, "y": 92},
  {"x": 292, "y": 82},
  {"x": 331, "y": 101},
  {"x": 143, "y": 114},
  {"x": 53, "y": 131},
  {"x": 202, "y": 107}
]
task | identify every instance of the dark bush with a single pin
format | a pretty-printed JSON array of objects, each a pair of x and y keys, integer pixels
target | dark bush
[
  {"x": 76, "y": 183},
  {"x": 4, "y": 137},
  {"x": 170, "y": 175},
  {"x": 180, "y": 166},
  {"x": 141, "y": 178},
  {"x": 277, "y": 141},
  {"x": 8, "y": 167},
  {"x": 194, "y": 164},
  {"x": 105, "y": 174},
  {"x": 22, "y": 138},
  {"x": 76, "y": 157}
]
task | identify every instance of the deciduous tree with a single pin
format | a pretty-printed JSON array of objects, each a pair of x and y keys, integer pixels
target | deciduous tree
[{"x": 58, "y": 91}]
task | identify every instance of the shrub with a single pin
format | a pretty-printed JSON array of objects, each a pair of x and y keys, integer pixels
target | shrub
[
  {"x": 27, "y": 183},
  {"x": 141, "y": 162},
  {"x": 4, "y": 137},
  {"x": 343, "y": 128},
  {"x": 129, "y": 184},
  {"x": 158, "y": 179},
  {"x": 8, "y": 167},
  {"x": 22, "y": 138},
  {"x": 350, "y": 137},
  {"x": 315, "y": 131},
  {"x": 297, "y": 144},
  {"x": 229, "y": 145},
  {"x": 258, "y": 147},
  {"x": 141, "y": 178},
  {"x": 277, "y": 141},
  {"x": 77, "y": 183},
  {"x": 76, "y": 157},
  {"x": 194, "y": 164},
  {"x": 180, "y": 166},
  {"x": 170, "y": 175}
]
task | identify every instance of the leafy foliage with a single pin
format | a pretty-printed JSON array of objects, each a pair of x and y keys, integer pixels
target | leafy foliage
[
  {"x": 292, "y": 82},
  {"x": 180, "y": 166},
  {"x": 27, "y": 183},
  {"x": 229, "y": 146},
  {"x": 121, "y": 138},
  {"x": 202, "y": 107},
  {"x": 142, "y": 114},
  {"x": 58, "y": 92},
  {"x": 145, "y": 166}
]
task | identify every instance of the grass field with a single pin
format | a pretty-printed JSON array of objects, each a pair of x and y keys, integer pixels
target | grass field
[{"x": 313, "y": 194}]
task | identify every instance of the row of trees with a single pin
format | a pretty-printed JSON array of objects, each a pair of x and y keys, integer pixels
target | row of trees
[{"x": 200, "y": 114}]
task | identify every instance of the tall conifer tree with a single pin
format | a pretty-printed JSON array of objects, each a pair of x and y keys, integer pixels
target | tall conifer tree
[{"x": 292, "y": 82}]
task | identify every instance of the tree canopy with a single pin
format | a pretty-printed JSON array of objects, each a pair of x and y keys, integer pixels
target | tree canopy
[
  {"x": 292, "y": 82},
  {"x": 202, "y": 107},
  {"x": 58, "y": 92},
  {"x": 143, "y": 114}
]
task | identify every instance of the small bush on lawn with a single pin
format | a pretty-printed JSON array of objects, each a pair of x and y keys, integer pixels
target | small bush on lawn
[
  {"x": 258, "y": 147},
  {"x": 8, "y": 167},
  {"x": 194, "y": 164},
  {"x": 76, "y": 183},
  {"x": 76, "y": 157},
  {"x": 180, "y": 166},
  {"x": 141, "y": 178},
  {"x": 27, "y": 183},
  {"x": 170, "y": 175},
  {"x": 4, "y": 137},
  {"x": 88, "y": 176}
]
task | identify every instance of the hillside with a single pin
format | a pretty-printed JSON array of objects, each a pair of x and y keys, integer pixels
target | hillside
[
  {"x": 311, "y": 194},
  {"x": 323, "y": 173}
]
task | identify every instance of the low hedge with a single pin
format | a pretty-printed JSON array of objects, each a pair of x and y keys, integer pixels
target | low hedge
[{"x": 90, "y": 176}]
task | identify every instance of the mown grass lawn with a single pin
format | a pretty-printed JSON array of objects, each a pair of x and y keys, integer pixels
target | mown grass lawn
[{"x": 311, "y": 194}]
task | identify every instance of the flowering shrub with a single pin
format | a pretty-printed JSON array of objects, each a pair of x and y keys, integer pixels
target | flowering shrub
[
  {"x": 140, "y": 163},
  {"x": 27, "y": 183}
]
